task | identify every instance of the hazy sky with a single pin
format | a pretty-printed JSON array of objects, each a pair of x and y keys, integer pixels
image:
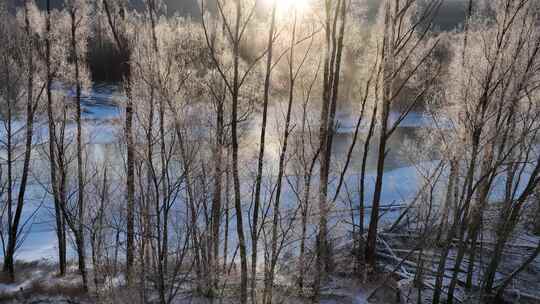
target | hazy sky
[{"x": 451, "y": 14}]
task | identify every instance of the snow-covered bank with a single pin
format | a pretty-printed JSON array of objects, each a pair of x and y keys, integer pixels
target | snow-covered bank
[{"x": 346, "y": 121}]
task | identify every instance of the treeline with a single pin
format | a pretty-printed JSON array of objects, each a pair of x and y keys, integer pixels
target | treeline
[
  {"x": 222, "y": 180},
  {"x": 105, "y": 62},
  {"x": 103, "y": 59}
]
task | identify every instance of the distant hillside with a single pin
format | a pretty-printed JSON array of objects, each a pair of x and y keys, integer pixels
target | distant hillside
[
  {"x": 105, "y": 64},
  {"x": 182, "y": 7},
  {"x": 450, "y": 15}
]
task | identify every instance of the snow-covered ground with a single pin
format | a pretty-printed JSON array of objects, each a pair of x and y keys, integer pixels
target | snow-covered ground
[{"x": 347, "y": 121}]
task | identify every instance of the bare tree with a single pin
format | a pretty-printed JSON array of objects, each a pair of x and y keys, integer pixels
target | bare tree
[
  {"x": 11, "y": 95},
  {"x": 77, "y": 11},
  {"x": 401, "y": 44},
  {"x": 123, "y": 47},
  {"x": 262, "y": 146},
  {"x": 492, "y": 101},
  {"x": 277, "y": 245},
  {"x": 334, "y": 30},
  {"x": 235, "y": 32},
  {"x": 55, "y": 156}
]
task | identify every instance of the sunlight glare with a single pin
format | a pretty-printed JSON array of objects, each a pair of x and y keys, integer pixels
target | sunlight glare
[{"x": 285, "y": 6}]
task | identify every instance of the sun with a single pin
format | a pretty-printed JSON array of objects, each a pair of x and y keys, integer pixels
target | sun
[{"x": 287, "y": 6}]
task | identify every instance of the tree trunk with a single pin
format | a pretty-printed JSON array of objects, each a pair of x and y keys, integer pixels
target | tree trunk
[
  {"x": 450, "y": 190},
  {"x": 388, "y": 92},
  {"x": 8, "y": 259},
  {"x": 332, "y": 69},
  {"x": 236, "y": 176},
  {"x": 123, "y": 48},
  {"x": 460, "y": 221},
  {"x": 60, "y": 228},
  {"x": 269, "y": 275},
  {"x": 260, "y": 163},
  {"x": 361, "y": 257},
  {"x": 80, "y": 169}
]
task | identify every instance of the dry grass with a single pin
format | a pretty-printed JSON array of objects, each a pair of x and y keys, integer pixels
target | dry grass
[{"x": 39, "y": 279}]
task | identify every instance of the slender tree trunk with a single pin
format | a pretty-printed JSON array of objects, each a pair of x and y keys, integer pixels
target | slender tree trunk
[
  {"x": 123, "y": 48},
  {"x": 477, "y": 215},
  {"x": 150, "y": 197},
  {"x": 227, "y": 210},
  {"x": 130, "y": 181},
  {"x": 97, "y": 233},
  {"x": 216, "y": 199},
  {"x": 62, "y": 169},
  {"x": 60, "y": 228},
  {"x": 452, "y": 180},
  {"x": 30, "y": 110},
  {"x": 460, "y": 220},
  {"x": 236, "y": 176},
  {"x": 164, "y": 256},
  {"x": 374, "y": 218},
  {"x": 388, "y": 92},
  {"x": 79, "y": 234},
  {"x": 308, "y": 174},
  {"x": 8, "y": 259},
  {"x": 361, "y": 207},
  {"x": 537, "y": 213},
  {"x": 260, "y": 163},
  {"x": 302, "y": 257},
  {"x": 269, "y": 276},
  {"x": 332, "y": 70}
]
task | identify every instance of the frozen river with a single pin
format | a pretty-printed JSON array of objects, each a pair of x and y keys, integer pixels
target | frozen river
[{"x": 103, "y": 124}]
